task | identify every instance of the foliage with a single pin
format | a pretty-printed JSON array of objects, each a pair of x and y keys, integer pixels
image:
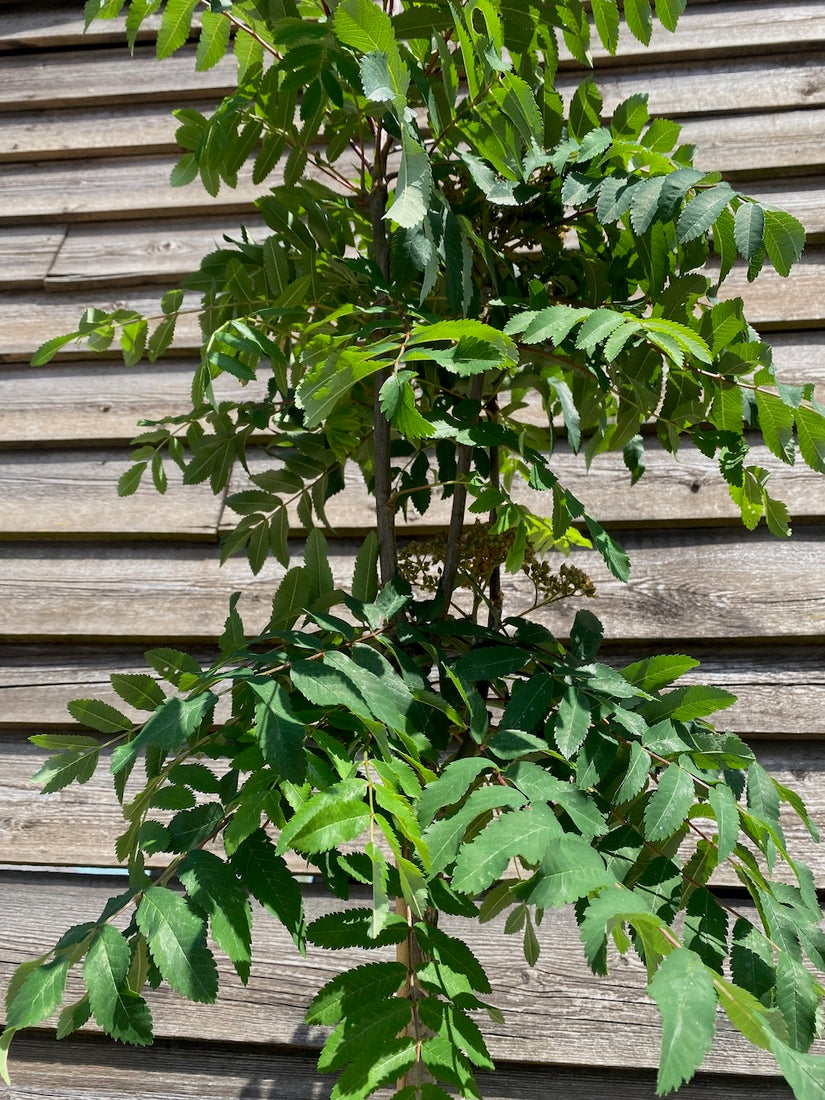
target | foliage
[{"x": 460, "y": 272}]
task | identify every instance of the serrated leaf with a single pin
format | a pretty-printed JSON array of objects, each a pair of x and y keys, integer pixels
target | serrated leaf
[
  {"x": 174, "y": 27},
  {"x": 726, "y": 809},
  {"x": 669, "y": 804},
  {"x": 121, "y": 1012},
  {"x": 776, "y": 421},
  {"x": 748, "y": 229},
  {"x": 365, "y": 571},
  {"x": 177, "y": 944},
  {"x": 268, "y": 879},
  {"x": 280, "y": 733},
  {"x": 798, "y": 999},
  {"x": 636, "y": 776},
  {"x": 572, "y": 722},
  {"x": 353, "y": 928},
  {"x": 365, "y": 1075},
  {"x": 168, "y": 728},
  {"x": 810, "y": 427},
  {"x": 784, "y": 240},
  {"x": 371, "y": 983},
  {"x": 444, "y": 836},
  {"x": 65, "y": 768},
  {"x": 571, "y": 869},
  {"x": 702, "y": 211},
  {"x": 98, "y": 715},
  {"x": 683, "y": 704},
  {"x": 805, "y": 1073},
  {"x": 450, "y": 787},
  {"x": 639, "y": 17},
  {"x": 683, "y": 989},
  {"x": 490, "y": 662},
  {"x": 38, "y": 995},
  {"x": 365, "y": 1031},
  {"x": 653, "y": 673},
  {"x": 520, "y": 832},
  {"x": 137, "y": 689},
  {"x": 214, "y": 888}
]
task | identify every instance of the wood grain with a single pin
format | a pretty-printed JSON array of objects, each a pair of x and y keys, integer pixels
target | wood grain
[
  {"x": 740, "y": 146},
  {"x": 701, "y": 586},
  {"x": 90, "y": 131},
  {"x": 60, "y": 494},
  {"x": 583, "y": 1022},
  {"x": 26, "y": 254},
  {"x": 100, "y": 255},
  {"x": 90, "y": 1068}
]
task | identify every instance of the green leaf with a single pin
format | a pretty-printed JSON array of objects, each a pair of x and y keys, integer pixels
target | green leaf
[
  {"x": 702, "y": 211},
  {"x": 365, "y": 572},
  {"x": 38, "y": 995},
  {"x": 65, "y": 768},
  {"x": 683, "y": 704},
  {"x": 570, "y": 870},
  {"x": 810, "y": 427},
  {"x": 572, "y": 722},
  {"x": 359, "y": 24},
  {"x": 444, "y": 836},
  {"x": 450, "y": 953},
  {"x": 669, "y": 804},
  {"x": 98, "y": 715},
  {"x": 268, "y": 879},
  {"x": 606, "y": 18},
  {"x": 177, "y": 944},
  {"x": 490, "y": 663},
  {"x": 639, "y": 19},
  {"x": 668, "y": 12},
  {"x": 174, "y": 27},
  {"x": 526, "y": 832},
  {"x": 367, "y": 1030},
  {"x": 214, "y": 40},
  {"x": 289, "y": 600},
  {"x": 280, "y": 733},
  {"x": 214, "y": 888},
  {"x": 354, "y": 928},
  {"x": 749, "y": 228},
  {"x": 653, "y": 673},
  {"x": 798, "y": 999},
  {"x": 684, "y": 991},
  {"x": 371, "y": 983},
  {"x": 168, "y": 728},
  {"x": 805, "y": 1073},
  {"x": 784, "y": 240},
  {"x": 367, "y": 1074},
  {"x": 324, "y": 385},
  {"x": 725, "y": 807},
  {"x": 138, "y": 690},
  {"x": 636, "y": 776},
  {"x": 776, "y": 421},
  {"x": 451, "y": 786},
  {"x": 120, "y": 1011},
  {"x": 412, "y": 187}
]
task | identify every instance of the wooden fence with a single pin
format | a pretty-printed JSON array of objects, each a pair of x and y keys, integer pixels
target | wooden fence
[{"x": 87, "y": 218}]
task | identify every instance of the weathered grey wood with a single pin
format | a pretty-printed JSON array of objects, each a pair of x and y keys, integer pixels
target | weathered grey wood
[
  {"x": 90, "y": 1068},
  {"x": 26, "y": 254},
  {"x": 784, "y": 142},
  {"x": 772, "y": 301},
  {"x": 707, "y": 585},
  {"x": 108, "y": 187},
  {"x": 60, "y": 494},
  {"x": 57, "y": 24},
  {"x": 96, "y": 403},
  {"x": 686, "y": 490},
  {"x": 90, "y": 131},
  {"x": 28, "y": 319},
  {"x": 778, "y": 82},
  {"x": 100, "y": 255},
  {"x": 98, "y": 77},
  {"x": 584, "y": 1022},
  {"x": 77, "y": 826}
]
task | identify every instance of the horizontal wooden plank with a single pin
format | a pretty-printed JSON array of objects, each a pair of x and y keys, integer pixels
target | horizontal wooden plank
[
  {"x": 28, "y": 319},
  {"x": 719, "y": 86},
  {"x": 772, "y": 301},
  {"x": 122, "y": 187},
  {"x": 683, "y": 491},
  {"x": 99, "y": 402},
  {"x": 784, "y": 142},
  {"x": 56, "y": 24},
  {"x": 781, "y": 691},
  {"x": 89, "y": 1068},
  {"x": 77, "y": 827},
  {"x": 59, "y": 494},
  {"x": 582, "y": 1021},
  {"x": 89, "y": 131},
  {"x": 140, "y": 252},
  {"x": 103, "y": 77},
  {"x": 701, "y": 586},
  {"x": 26, "y": 254}
]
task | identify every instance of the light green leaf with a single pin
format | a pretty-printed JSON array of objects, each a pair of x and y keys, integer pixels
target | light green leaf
[
  {"x": 776, "y": 420},
  {"x": 177, "y": 944},
  {"x": 553, "y": 324},
  {"x": 598, "y": 326},
  {"x": 520, "y": 832},
  {"x": 798, "y": 999},
  {"x": 572, "y": 722},
  {"x": 368, "y": 984},
  {"x": 639, "y": 19},
  {"x": 168, "y": 728},
  {"x": 367, "y": 1074},
  {"x": 360, "y": 24},
  {"x": 669, "y": 803},
  {"x": 683, "y": 704},
  {"x": 290, "y": 599},
  {"x": 810, "y": 427},
  {"x": 702, "y": 211},
  {"x": 653, "y": 673},
  {"x": 324, "y": 822},
  {"x": 749, "y": 228},
  {"x": 413, "y": 184},
  {"x": 636, "y": 776},
  {"x": 570, "y": 870},
  {"x": 174, "y": 27},
  {"x": 138, "y": 690},
  {"x": 805, "y": 1073},
  {"x": 444, "y": 836},
  {"x": 98, "y": 715},
  {"x": 38, "y": 995},
  {"x": 784, "y": 240},
  {"x": 366, "y": 1030},
  {"x": 606, "y": 18},
  {"x": 684, "y": 991},
  {"x": 324, "y": 385}
]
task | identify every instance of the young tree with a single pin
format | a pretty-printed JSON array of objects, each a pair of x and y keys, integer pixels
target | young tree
[{"x": 460, "y": 270}]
